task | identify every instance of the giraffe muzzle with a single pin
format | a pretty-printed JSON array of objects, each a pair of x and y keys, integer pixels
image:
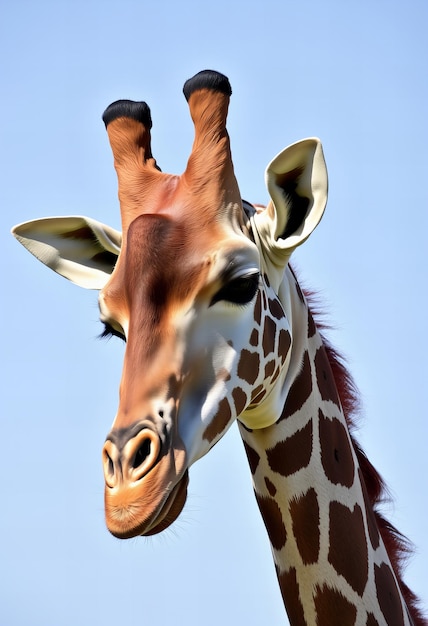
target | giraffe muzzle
[{"x": 145, "y": 481}]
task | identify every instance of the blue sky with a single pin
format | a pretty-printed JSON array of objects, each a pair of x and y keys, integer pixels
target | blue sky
[{"x": 354, "y": 74}]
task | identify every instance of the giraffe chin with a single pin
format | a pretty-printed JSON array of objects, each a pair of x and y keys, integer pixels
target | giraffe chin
[
  {"x": 130, "y": 519},
  {"x": 171, "y": 509}
]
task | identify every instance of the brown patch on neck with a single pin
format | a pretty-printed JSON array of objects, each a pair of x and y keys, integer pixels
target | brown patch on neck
[
  {"x": 371, "y": 519},
  {"x": 290, "y": 594},
  {"x": 252, "y": 456},
  {"x": 300, "y": 390},
  {"x": 336, "y": 454},
  {"x": 305, "y": 516},
  {"x": 348, "y": 552},
  {"x": 388, "y": 596},
  {"x": 371, "y": 620},
  {"x": 272, "y": 517},
  {"x": 332, "y": 608},
  {"x": 325, "y": 379},
  {"x": 270, "y": 487},
  {"x": 293, "y": 454}
]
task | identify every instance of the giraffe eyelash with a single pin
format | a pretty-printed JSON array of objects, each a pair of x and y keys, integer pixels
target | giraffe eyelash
[
  {"x": 239, "y": 291},
  {"x": 108, "y": 332}
]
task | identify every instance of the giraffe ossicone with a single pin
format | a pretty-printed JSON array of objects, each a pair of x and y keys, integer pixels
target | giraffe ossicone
[{"x": 218, "y": 330}]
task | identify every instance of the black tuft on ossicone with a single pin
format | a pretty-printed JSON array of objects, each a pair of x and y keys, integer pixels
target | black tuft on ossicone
[
  {"x": 207, "y": 79},
  {"x": 138, "y": 111}
]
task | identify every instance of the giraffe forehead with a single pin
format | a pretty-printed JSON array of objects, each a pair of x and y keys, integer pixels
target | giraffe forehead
[
  {"x": 154, "y": 245},
  {"x": 169, "y": 260}
]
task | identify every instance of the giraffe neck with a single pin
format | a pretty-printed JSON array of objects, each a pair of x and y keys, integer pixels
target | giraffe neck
[{"x": 329, "y": 554}]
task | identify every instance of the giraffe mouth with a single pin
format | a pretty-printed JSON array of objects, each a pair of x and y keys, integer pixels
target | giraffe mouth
[
  {"x": 130, "y": 515},
  {"x": 171, "y": 509}
]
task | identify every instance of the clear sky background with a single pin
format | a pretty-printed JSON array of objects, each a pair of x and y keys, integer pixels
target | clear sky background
[{"x": 353, "y": 73}]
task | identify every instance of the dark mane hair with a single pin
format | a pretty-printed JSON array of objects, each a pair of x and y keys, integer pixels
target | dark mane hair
[{"x": 399, "y": 548}]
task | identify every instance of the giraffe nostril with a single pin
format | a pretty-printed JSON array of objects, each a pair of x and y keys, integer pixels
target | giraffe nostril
[
  {"x": 110, "y": 475},
  {"x": 142, "y": 453},
  {"x": 129, "y": 455},
  {"x": 110, "y": 466}
]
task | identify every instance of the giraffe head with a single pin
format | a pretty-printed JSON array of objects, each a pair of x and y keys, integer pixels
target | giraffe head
[{"x": 191, "y": 285}]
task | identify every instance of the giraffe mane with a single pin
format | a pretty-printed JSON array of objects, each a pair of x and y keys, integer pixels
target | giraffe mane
[{"x": 399, "y": 548}]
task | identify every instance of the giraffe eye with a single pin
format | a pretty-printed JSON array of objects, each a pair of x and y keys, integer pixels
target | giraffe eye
[
  {"x": 239, "y": 290},
  {"x": 110, "y": 331}
]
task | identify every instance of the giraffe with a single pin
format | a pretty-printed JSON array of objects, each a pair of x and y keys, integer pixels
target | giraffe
[{"x": 217, "y": 329}]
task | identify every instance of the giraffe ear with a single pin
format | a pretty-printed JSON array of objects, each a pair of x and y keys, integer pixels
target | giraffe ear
[
  {"x": 297, "y": 182},
  {"x": 79, "y": 248}
]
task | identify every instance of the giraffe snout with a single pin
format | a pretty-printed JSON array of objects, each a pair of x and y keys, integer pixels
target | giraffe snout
[{"x": 145, "y": 479}]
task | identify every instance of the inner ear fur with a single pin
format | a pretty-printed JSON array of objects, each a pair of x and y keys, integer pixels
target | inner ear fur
[{"x": 297, "y": 183}]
